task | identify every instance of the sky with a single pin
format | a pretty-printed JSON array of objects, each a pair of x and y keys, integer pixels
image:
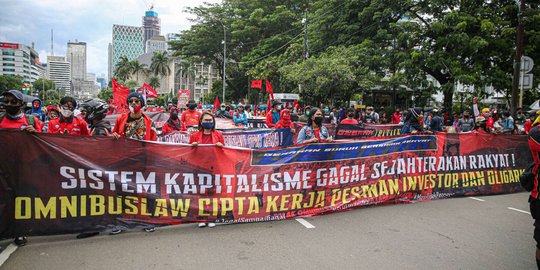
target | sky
[{"x": 90, "y": 21}]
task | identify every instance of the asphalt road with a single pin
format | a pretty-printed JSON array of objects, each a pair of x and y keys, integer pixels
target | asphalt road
[{"x": 463, "y": 233}]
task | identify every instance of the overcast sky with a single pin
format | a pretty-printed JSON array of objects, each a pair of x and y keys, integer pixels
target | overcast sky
[{"x": 90, "y": 21}]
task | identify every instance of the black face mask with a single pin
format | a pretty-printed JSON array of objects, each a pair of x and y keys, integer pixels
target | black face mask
[
  {"x": 174, "y": 116},
  {"x": 350, "y": 114},
  {"x": 13, "y": 110},
  {"x": 318, "y": 120},
  {"x": 192, "y": 107}
]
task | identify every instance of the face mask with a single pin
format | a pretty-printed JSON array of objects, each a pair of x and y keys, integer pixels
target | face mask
[
  {"x": 174, "y": 116},
  {"x": 350, "y": 114},
  {"x": 307, "y": 113},
  {"x": 326, "y": 110},
  {"x": 222, "y": 108},
  {"x": 207, "y": 125},
  {"x": 318, "y": 120},
  {"x": 136, "y": 109},
  {"x": 66, "y": 113},
  {"x": 192, "y": 107},
  {"x": 13, "y": 110}
]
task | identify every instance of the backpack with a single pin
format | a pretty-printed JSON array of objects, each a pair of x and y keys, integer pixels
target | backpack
[{"x": 29, "y": 118}]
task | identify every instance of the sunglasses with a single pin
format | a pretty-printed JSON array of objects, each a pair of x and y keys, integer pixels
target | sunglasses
[{"x": 134, "y": 100}]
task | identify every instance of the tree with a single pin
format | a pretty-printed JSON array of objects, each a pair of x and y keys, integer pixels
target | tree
[
  {"x": 105, "y": 94},
  {"x": 137, "y": 68},
  {"x": 10, "y": 83},
  {"x": 123, "y": 69},
  {"x": 154, "y": 82},
  {"x": 43, "y": 84},
  {"x": 160, "y": 64}
]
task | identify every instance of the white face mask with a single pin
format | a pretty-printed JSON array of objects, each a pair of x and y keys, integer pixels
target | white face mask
[{"x": 66, "y": 113}]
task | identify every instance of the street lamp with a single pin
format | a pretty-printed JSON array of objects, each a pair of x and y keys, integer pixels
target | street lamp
[{"x": 224, "y": 58}]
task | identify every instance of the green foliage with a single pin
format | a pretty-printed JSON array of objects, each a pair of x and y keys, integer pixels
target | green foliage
[
  {"x": 105, "y": 94},
  {"x": 154, "y": 82},
  {"x": 43, "y": 84},
  {"x": 10, "y": 83}
]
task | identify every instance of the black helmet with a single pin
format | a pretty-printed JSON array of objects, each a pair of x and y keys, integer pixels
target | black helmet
[{"x": 95, "y": 109}]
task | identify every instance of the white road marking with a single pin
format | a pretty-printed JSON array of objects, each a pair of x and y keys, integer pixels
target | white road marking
[
  {"x": 305, "y": 223},
  {"x": 521, "y": 211},
  {"x": 4, "y": 255},
  {"x": 476, "y": 199}
]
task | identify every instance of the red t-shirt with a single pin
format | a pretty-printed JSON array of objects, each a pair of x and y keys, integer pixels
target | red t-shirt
[
  {"x": 490, "y": 123},
  {"x": 76, "y": 127},
  {"x": 190, "y": 118},
  {"x": 348, "y": 121},
  {"x": 17, "y": 124},
  {"x": 207, "y": 139},
  {"x": 317, "y": 133}
]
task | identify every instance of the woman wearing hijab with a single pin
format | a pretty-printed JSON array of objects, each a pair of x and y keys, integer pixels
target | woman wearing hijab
[
  {"x": 414, "y": 122},
  {"x": 314, "y": 131}
]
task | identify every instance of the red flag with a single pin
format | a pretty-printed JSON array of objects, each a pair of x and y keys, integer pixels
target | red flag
[
  {"x": 268, "y": 105},
  {"x": 269, "y": 89},
  {"x": 216, "y": 103},
  {"x": 256, "y": 84},
  {"x": 149, "y": 91},
  {"x": 120, "y": 94}
]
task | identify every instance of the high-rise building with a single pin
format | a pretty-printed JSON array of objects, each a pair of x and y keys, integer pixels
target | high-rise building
[
  {"x": 156, "y": 44},
  {"x": 127, "y": 41},
  {"x": 20, "y": 60},
  {"x": 76, "y": 56},
  {"x": 151, "y": 25},
  {"x": 59, "y": 71}
]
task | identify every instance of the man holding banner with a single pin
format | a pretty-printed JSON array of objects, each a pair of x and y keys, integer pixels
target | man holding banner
[
  {"x": 135, "y": 124},
  {"x": 190, "y": 117}
]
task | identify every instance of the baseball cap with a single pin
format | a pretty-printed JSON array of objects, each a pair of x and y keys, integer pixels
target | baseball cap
[{"x": 16, "y": 93}]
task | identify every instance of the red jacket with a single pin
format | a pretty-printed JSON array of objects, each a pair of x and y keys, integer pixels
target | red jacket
[
  {"x": 396, "y": 118},
  {"x": 77, "y": 126},
  {"x": 534, "y": 145},
  {"x": 121, "y": 121},
  {"x": 168, "y": 127},
  {"x": 216, "y": 137},
  {"x": 270, "y": 120},
  {"x": 17, "y": 124}
]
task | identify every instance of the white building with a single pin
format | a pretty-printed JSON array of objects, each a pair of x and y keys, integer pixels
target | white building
[
  {"x": 20, "y": 60},
  {"x": 59, "y": 71},
  {"x": 76, "y": 56},
  {"x": 156, "y": 44}
]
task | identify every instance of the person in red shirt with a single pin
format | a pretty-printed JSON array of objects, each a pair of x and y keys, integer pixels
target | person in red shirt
[
  {"x": 173, "y": 124},
  {"x": 67, "y": 123},
  {"x": 272, "y": 117},
  {"x": 190, "y": 117},
  {"x": 14, "y": 118},
  {"x": 396, "y": 117},
  {"x": 528, "y": 125},
  {"x": 350, "y": 118},
  {"x": 207, "y": 133},
  {"x": 285, "y": 121},
  {"x": 135, "y": 124}
]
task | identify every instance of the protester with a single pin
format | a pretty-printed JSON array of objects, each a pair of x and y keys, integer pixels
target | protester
[
  {"x": 14, "y": 118},
  {"x": 534, "y": 200},
  {"x": 240, "y": 116},
  {"x": 135, "y": 124},
  {"x": 314, "y": 131},
  {"x": 67, "y": 123},
  {"x": 285, "y": 121},
  {"x": 96, "y": 110},
  {"x": 52, "y": 113},
  {"x": 520, "y": 121},
  {"x": 529, "y": 123},
  {"x": 466, "y": 123},
  {"x": 190, "y": 117},
  {"x": 413, "y": 121},
  {"x": 173, "y": 123},
  {"x": 223, "y": 112},
  {"x": 249, "y": 113},
  {"x": 207, "y": 134},
  {"x": 396, "y": 117},
  {"x": 371, "y": 117},
  {"x": 334, "y": 115},
  {"x": 481, "y": 127},
  {"x": 436, "y": 124},
  {"x": 37, "y": 110},
  {"x": 350, "y": 118},
  {"x": 305, "y": 116},
  {"x": 507, "y": 126},
  {"x": 273, "y": 117}
]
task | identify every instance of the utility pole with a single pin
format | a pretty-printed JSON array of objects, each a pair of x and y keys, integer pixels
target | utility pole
[
  {"x": 517, "y": 58},
  {"x": 306, "y": 47},
  {"x": 224, "y": 59}
]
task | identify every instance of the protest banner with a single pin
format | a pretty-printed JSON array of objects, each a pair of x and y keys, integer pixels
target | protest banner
[
  {"x": 53, "y": 184},
  {"x": 358, "y": 132},
  {"x": 253, "y": 139},
  {"x": 183, "y": 98}
]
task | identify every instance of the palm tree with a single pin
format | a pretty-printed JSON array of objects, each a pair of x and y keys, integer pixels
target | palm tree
[
  {"x": 137, "y": 68},
  {"x": 160, "y": 64},
  {"x": 154, "y": 82},
  {"x": 123, "y": 69},
  {"x": 186, "y": 71}
]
